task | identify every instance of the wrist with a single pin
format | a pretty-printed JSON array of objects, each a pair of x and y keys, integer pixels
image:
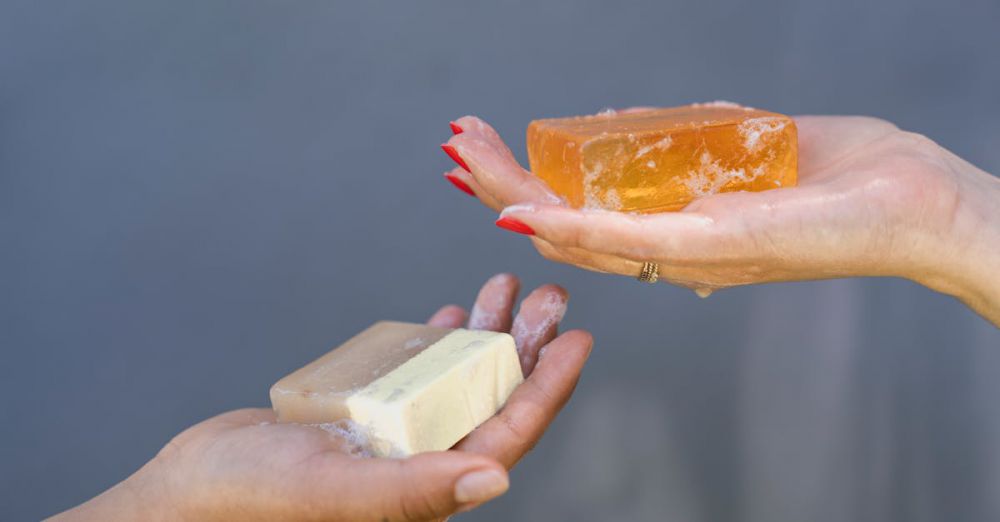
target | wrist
[{"x": 964, "y": 258}]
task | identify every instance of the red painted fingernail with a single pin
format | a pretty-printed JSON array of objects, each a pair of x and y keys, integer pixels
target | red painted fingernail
[
  {"x": 460, "y": 184},
  {"x": 456, "y": 128},
  {"x": 514, "y": 225},
  {"x": 453, "y": 154}
]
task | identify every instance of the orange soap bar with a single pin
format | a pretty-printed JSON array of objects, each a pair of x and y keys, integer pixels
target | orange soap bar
[{"x": 661, "y": 159}]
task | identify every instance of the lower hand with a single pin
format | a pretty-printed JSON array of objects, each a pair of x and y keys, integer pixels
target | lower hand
[{"x": 242, "y": 465}]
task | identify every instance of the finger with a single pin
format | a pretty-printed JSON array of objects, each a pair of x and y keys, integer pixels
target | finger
[
  {"x": 681, "y": 264},
  {"x": 537, "y": 322},
  {"x": 679, "y": 236},
  {"x": 512, "y": 432},
  {"x": 422, "y": 487},
  {"x": 603, "y": 263},
  {"x": 476, "y": 125},
  {"x": 492, "y": 310},
  {"x": 459, "y": 174},
  {"x": 494, "y": 167},
  {"x": 688, "y": 277},
  {"x": 451, "y": 316},
  {"x": 459, "y": 183}
]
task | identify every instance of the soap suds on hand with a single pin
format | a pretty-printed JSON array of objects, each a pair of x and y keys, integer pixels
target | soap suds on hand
[
  {"x": 355, "y": 436},
  {"x": 525, "y": 334},
  {"x": 487, "y": 316}
]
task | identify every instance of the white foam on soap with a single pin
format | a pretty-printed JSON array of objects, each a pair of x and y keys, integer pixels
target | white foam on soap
[
  {"x": 710, "y": 176},
  {"x": 663, "y": 144},
  {"x": 611, "y": 200},
  {"x": 591, "y": 197},
  {"x": 721, "y": 104},
  {"x": 753, "y": 129}
]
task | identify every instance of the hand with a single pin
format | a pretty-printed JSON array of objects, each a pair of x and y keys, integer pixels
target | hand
[
  {"x": 871, "y": 201},
  {"x": 241, "y": 465}
]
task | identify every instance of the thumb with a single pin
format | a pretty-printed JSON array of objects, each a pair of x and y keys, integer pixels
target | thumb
[{"x": 422, "y": 487}]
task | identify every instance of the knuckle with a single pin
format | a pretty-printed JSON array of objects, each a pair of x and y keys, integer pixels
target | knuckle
[
  {"x": 581, "y": 237},
  {"x": 515, "y": 427},
  {"x": 913, "y": 139},
  {"x": 548, "y": 252},
  {"x": 169, "y": 451},
  {"x": 547, "y": 397}
]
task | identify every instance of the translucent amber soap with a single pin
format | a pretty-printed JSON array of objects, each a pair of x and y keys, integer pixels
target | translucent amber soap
[{"x": 662, "y": 159}]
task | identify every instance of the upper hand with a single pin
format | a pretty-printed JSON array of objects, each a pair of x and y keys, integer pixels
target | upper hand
[
  {"x": 242, "y": 465},
  {"x": 871, "y": 200}
]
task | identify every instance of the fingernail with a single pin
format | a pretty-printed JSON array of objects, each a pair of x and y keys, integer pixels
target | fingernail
[
  {"x": 456, "y": 128},
  {"x": 453, "y": 154},
  {"x": 466, "y": 508},
  {"x": 514, "y": 225},
  {"x": 460, "y": 184},
  {"x": 480, "y": 486}
]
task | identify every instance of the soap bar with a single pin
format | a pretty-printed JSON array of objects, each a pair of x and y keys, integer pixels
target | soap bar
[
  {"x": 662, "y": 159},
  {"x": 408, "y": 388}
]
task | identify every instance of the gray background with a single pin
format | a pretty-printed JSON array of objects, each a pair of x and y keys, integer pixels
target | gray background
[{"x": 198, "y": 196}]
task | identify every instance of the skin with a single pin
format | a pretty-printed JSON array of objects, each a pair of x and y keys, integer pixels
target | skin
[
  {"x": 872, "y": 200},
  {"x": 242, "y": 466}
]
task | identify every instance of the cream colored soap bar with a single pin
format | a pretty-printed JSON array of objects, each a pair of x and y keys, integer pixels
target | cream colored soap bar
[{"x": 410, "y": 388}]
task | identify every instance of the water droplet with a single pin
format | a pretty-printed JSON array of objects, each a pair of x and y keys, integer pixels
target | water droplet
[{"x": 703, "y": 292}]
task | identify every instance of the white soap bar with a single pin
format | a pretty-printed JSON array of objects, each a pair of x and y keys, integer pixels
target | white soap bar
[{"x": 410, "y": 388}]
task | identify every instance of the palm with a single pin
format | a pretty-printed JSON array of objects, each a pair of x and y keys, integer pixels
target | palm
[
  {"x": 862, "y": 183},
  {"x": 246, "y": 451}
]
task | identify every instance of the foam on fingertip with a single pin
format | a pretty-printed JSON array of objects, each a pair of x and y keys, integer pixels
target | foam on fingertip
[{"x": 528, "y": 333}]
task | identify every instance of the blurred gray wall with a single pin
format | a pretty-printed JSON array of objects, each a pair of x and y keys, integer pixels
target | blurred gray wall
[{"x": 198, "y": 196}]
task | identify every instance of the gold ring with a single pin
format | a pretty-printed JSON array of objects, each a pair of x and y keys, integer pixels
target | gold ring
[{"x": 650, "y": 272}]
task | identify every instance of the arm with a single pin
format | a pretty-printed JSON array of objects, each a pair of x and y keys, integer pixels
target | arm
[{"x": 872, "y": 200}]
